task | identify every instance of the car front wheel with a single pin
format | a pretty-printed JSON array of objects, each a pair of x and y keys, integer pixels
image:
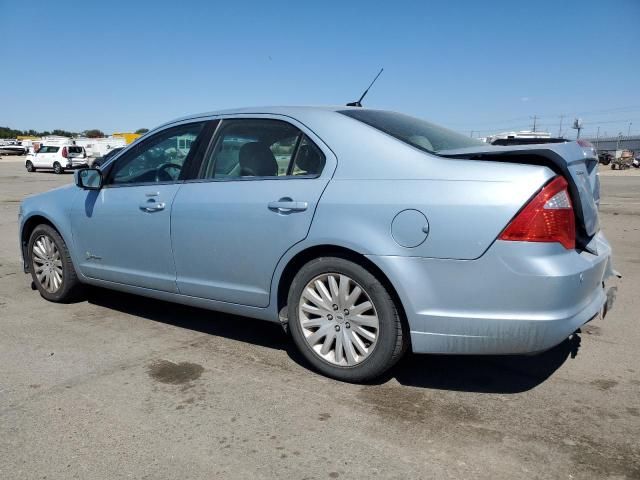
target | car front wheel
[
  {"x": 50, "y": 265},
  {"x": 344, "y": 321},
  {"x": 29, "y": 166},
  {"x": 57, "y": 168}
]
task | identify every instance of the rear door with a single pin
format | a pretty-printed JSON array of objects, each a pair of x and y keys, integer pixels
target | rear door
[{"x": 254, "y": 198}]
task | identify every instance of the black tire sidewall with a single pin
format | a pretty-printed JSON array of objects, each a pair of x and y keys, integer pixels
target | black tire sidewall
[
  {"x": 69, "y": 279},
  {"x": 57, "y": 168},
  {"x": 382, "y": 357},
  {"x": 29, "y": 166}
]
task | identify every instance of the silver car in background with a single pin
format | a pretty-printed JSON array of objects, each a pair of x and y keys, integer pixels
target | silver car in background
[{"x": 367, "y": 233}]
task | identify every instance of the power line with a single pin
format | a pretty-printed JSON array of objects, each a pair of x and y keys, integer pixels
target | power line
[{"x": 552, "y": 116}]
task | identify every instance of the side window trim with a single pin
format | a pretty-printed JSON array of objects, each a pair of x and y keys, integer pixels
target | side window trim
[
  {"x": 292, "y": 160},
  {"x": 192, "y": 165}
]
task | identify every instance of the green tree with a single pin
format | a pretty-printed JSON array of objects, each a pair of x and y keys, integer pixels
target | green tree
[
  {"x": 63, "y": 133},
  {"x": 94, "y": 133},
  {"x": 6, "y": 132},
  {"x": 142, "y": 131}
]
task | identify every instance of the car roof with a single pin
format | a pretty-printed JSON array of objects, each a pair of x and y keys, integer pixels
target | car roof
[{"x": 293, "y": 111}]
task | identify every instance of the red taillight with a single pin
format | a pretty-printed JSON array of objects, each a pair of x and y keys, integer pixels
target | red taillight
[
  {"x": 64, "y": 152},
  {"x": 548, "y": 217}
]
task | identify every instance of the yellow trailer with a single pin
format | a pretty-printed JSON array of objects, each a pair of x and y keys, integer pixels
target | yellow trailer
[{"x": 129, "y": 137}]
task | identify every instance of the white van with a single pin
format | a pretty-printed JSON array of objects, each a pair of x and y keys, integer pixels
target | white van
[{"x": 57, "y": 158}]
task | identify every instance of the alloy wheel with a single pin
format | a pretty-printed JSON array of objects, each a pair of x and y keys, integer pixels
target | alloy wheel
[
  {"x": 338, "y": 319},
  {"x": 47, "y": 263}
]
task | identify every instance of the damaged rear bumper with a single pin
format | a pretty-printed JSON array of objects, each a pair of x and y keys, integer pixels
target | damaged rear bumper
[{"x": 517, "y": 298}]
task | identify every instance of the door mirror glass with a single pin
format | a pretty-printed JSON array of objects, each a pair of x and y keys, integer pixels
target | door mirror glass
[{"x": 89, "y": 178}]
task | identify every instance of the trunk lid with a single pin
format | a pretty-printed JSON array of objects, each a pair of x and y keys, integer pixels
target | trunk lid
[{"x": 578, "y": 164}]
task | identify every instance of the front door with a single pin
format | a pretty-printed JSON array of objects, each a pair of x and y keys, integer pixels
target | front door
[
  {"x": 123, "y": 231},
  {"x": 255, "y": 198}
]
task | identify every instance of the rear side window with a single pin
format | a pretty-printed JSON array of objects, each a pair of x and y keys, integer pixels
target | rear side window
[
  {"x": 309, "y": 159},
  {"x": 417, "y": 133},
  {"x": 75, "y": 149},
  {"x": 246, "y": 148},
  {"x": 48, "y": 149}
]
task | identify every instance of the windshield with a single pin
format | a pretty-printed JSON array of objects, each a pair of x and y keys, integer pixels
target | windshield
[{"x": 418, "y": 133}]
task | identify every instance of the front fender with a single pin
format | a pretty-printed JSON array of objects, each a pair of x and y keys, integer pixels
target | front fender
[{"x": 53, "y": 207}]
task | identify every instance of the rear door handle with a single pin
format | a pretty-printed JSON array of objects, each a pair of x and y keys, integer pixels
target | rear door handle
[
  {"x": 285, "y": 205},
  {"x": 152, "y": 207}
]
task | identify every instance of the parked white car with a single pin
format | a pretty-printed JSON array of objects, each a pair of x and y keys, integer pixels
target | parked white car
[{"x": 57, "y": 158}]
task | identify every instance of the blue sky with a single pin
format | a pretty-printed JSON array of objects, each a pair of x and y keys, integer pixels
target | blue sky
[{"x": 485, "y": 66}]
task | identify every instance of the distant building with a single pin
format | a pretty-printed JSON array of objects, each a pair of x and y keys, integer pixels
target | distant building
[
  {"x": 617, "y": 143},
  {"x": 526, "y": 134},
  {"x": 99, "y": 147}
]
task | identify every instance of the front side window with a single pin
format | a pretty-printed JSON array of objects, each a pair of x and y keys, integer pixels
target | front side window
[
  {"x": 256, "y": 148},
  {"x": 159, "y": 159}
]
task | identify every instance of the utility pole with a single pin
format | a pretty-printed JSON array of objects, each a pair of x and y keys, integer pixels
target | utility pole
[
  {"x": 577, "y": 125},
  {"x": 535, "y": 118},
  {"x": 597, "y": 138},
  {"x": 471, "y": 134},
  {"x": 560, "y": 129},
  {"x": 629, "y": 129}
]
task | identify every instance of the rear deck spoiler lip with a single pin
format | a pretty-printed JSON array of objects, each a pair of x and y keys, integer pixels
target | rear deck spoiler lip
[{"x": 488, "y": 149}]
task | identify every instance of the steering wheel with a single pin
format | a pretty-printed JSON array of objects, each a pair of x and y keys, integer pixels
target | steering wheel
[{"x": 162, "y": 174}]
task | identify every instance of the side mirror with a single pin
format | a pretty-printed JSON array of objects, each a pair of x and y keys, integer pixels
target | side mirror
[{"x": 89, "y": 178}]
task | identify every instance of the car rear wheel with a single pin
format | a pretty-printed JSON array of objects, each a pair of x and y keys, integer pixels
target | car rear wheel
[
  {"x": 57, "y": 168},
  {"x": 344, "y": 320},
  {"x": 29, "y": 166},
  {"x": 51, "y": 266}
]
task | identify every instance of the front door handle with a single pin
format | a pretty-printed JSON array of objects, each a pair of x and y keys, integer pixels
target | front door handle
[
  {"x": 152, "y": 207},
  {"x": 285, "y": 205}
]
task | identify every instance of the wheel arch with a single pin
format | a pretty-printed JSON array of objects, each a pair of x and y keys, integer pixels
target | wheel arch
[
  {"x": 28, "y": 227},
  {"x": 301, "y": 258}
]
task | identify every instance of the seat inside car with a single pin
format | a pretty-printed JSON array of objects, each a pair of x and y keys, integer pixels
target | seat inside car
[
  {"x": 257, "y": 160},
  {"x": 308, "y": 161}
]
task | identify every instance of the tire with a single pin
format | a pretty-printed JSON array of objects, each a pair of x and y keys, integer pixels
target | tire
[
  {"x": 29, "y": 166},
  {"x": 382, "y": 352},
  {"x": 69, "y": 287},
  {"x": 57, "y": 168}
]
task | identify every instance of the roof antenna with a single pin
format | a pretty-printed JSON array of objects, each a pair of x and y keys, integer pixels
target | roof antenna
[{"x": 359, "y": 102}]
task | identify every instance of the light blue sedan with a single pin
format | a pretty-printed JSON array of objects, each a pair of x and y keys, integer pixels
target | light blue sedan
[{"x": 365, "y": 232}]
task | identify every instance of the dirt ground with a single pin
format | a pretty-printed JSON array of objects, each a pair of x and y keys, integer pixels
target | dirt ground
[{"x": 118, "y": 386}]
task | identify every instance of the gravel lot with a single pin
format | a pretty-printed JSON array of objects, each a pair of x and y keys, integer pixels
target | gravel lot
[{"x": 119, "y": 386}]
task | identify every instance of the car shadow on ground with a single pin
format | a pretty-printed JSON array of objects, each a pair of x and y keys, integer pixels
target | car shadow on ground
[{"x": 469, "y": 373}]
